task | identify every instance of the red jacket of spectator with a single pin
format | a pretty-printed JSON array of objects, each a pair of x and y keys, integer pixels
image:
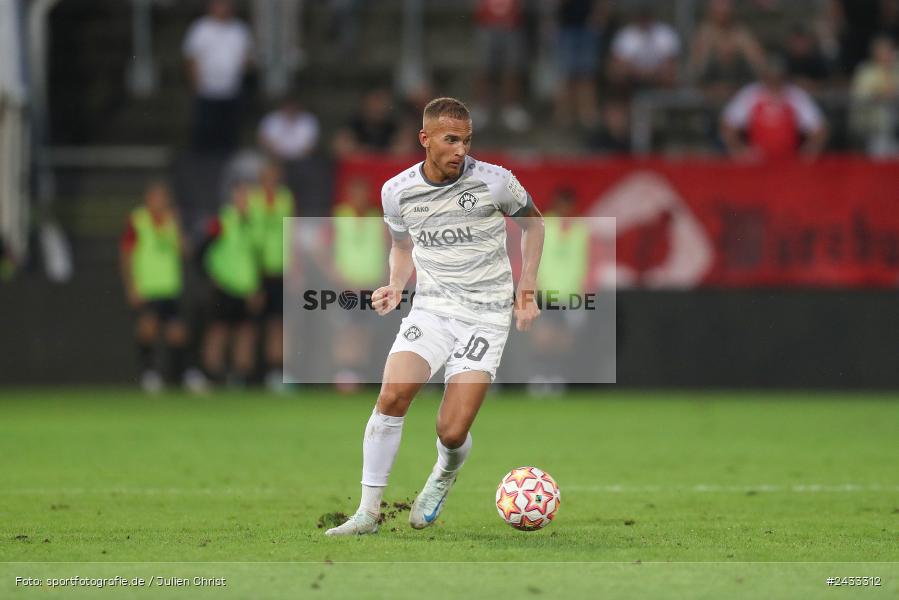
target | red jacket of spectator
[
  {"x": 500, "y": 14},
  {"x": 774, "y": 119}
]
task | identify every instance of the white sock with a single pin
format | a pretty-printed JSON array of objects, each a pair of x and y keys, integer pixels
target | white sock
[
  {"x": 371, "y": 499},
  {"x": 379, "y": 448},
  {"x": 450, "y": 460}
]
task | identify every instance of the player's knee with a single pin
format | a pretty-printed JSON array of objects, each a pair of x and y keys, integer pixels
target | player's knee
[
  {"x": 451, "y": 436},
  {"x": 394, "y": 401}
]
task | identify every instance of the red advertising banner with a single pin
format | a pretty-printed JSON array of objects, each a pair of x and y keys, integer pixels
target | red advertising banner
[{"x": 682, "y": 224}]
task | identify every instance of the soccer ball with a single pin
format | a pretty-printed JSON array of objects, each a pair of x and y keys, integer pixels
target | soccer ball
[{"x": 527, "y": 498}]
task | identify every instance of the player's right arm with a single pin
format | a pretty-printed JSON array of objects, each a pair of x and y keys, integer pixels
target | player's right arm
[{"x": 384, "y": 299}]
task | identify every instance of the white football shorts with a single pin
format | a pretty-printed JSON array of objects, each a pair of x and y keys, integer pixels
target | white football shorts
[{"x": 459, "y": 345}]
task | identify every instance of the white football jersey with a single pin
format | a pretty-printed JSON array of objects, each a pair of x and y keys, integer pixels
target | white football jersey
[{"x": 458, "y": 232}]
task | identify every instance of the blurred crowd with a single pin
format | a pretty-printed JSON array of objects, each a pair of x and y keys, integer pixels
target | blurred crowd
[
  {"x": 572, "y": 69},
  {"x": 209, "y": 307},
  {"x": 760, "y": 88}
]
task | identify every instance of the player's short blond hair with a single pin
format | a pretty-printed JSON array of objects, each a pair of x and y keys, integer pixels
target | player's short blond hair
[{"x": 446, "y": 107}]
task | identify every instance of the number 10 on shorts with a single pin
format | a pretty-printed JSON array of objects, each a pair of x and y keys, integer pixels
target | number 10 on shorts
[{"x": 475, "y": 349}]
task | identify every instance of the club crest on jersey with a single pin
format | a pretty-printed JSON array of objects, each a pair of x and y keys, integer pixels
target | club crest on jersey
[
  {"x": 467, "y": 201},
  {"x": 412, "y": 334}
]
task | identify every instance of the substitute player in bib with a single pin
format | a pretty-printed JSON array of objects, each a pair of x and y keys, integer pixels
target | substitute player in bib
[{"x": 446, "y": 216}]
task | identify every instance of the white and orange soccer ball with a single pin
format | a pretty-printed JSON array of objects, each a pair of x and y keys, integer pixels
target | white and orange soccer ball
[{"x": 527, "y": 498}]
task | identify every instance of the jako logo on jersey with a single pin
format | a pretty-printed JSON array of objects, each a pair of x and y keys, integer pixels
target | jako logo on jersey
[
  {"x": 412, "y": 334},
  {"x": 420, "y": 209},
  {"x": 445, "y": 237},
  {"x": 467, "y": 201}
]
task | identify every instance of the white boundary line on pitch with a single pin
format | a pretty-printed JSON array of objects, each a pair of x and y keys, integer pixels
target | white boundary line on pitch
[
  {"x": 808, "y": 488},
  {"x": 328, "y": 562}
]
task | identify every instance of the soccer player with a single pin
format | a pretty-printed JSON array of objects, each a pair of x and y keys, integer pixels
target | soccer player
[{"x": 446, "y": 217}]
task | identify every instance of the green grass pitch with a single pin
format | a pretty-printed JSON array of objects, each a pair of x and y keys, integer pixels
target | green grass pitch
[{"x": 686, "y": 494}]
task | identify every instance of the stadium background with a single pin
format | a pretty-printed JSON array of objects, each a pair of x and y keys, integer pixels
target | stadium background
[
  {"x": 806, "y": 251},
  {"x": 736, "y": 277}
]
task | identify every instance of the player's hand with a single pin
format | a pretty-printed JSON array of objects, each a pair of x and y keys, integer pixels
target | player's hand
[
  {"x": 526, "y": 309},
  {"x": 385, "y": 299}
]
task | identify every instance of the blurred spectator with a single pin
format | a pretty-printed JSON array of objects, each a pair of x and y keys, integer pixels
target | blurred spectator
[
  {"x": 218, "y": 51},
  {"x": 270, "y": 203},
  {"x": 290, "y": 132},
  {"x": 806, "y": 63},
  {"x": 566, "y": 247},
  {"x": 229, "y": 257},
  {"x": 561, "y": 280},
  {"x": 779, "y": 119},
  {"x": 358, "y": 245},
  {"x": 875, "y": 95},
  {"x": 502, "y": 60},
  {"x": 359, "y": 252},
  {"x": 289, "y": 135},
  {"x": 356, "y": 201},
  {"x": 578, "y": 48},
  {"x": 724, "y": 55},
  {"x": 374, "y": 128},
  {"x": 644, "y": 53},
  {"x": 152, "y": 251},
  {"x": 614, "y": 133}
]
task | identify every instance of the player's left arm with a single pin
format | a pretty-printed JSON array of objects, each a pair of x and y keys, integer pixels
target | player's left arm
[{"x": 530, "y": 220}]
